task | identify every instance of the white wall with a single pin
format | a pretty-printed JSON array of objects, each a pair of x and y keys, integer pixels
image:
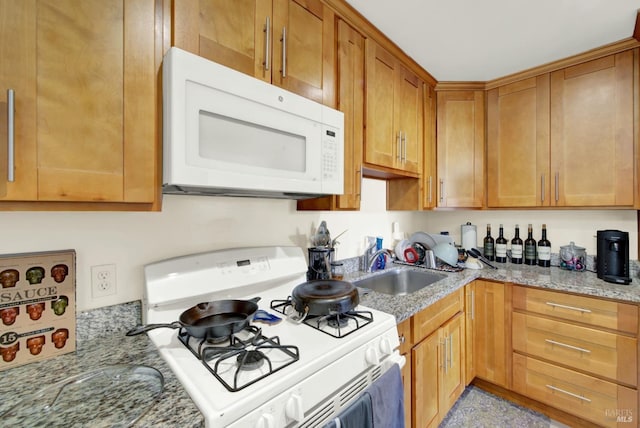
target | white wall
[{"x": 194, "y": 224}]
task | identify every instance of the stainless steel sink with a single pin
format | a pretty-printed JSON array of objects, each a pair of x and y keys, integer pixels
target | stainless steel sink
[{"x": 399, "y": 282}]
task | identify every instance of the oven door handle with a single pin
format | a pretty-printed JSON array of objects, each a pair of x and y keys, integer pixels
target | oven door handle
[{"x": 394, "y": 358}]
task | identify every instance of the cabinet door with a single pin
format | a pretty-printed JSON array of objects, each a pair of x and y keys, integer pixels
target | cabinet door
[
  {"x": 518, "y": 144},
  {"x": 427, "y": 365},
  {"x": 303, "y": 34},
  {"x": 382, "y": 142},
  {"x": 460, "y": 148},
  {"x": 490, "y": 332},
  {"x": 18, "y": 73},
  {"x": 429, "y": 184},
  {"x": 351, "y": 103},
  {"x": 229, "y": 32},
  {"x": 350, "y": 62},
  {"x": 592, "y": 123},
  {"x": 453, "y": 384},
  {"x": 88, "y": 64},
  {"x": 409, "y": 112}
]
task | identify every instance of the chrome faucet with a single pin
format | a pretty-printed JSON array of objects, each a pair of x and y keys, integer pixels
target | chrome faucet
[{"x": 371, "y": 255}]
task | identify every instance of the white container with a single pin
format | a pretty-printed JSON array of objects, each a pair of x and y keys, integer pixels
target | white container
[{"x": 469, "y": 235}]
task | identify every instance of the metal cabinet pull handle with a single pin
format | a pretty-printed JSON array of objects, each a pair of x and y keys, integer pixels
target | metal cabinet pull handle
[
  {"x": 399, "y": 146},
  {"x": 473, "y": 305},
  {"x": 451, "y": 350},
  {"x": 267, "y": 44},
  {"x": 359, "y": 172},
  {"x": 284, "y": 52},
  {"x": 542, "y": 188},
  {"x": 444, "y": 355},
  {"x": 429, "y": 198},
  {"x": 10, "y": 135},
  {"x": 553, "y": 388},
  {"x": 404, "y": 147},
  {"x": 564, "y": 345},
  {"x": 402, "y": 339},
  {"x": 557, "y": 186},
  {"x": 441, "y": 191},
  {"x": 572, "y": 308}
]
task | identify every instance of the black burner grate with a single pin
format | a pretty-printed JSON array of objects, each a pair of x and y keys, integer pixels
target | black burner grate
[
  {"x": 243, "y": 358},
  {"x": 338, "y": 325}
]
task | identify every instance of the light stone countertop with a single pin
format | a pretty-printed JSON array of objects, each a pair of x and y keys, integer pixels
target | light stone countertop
[
  {"x": 554, "y": 278},
  {"x": 102, "y": 342},
  {"x": 101, "y": 339}
]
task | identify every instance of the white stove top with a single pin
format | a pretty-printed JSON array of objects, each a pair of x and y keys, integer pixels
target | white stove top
[{"x": 292, "y": 393}]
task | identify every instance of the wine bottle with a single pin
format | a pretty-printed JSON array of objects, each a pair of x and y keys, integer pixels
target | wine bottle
[
  {"x": 488, "y": 247},
  {"x": 530, "y": 247},
  {"x": 516, "y": 248},
  {"x": 544, "y": 249},
  {"x": 501, "y": 247}
]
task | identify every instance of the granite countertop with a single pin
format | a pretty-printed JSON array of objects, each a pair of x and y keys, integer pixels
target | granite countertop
[
  {"x": 553, "y": 278},
  {"x": 102, "y": 342}
]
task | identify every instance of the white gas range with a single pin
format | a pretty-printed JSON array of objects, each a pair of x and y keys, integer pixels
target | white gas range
[{"x": 309, "y": 376}]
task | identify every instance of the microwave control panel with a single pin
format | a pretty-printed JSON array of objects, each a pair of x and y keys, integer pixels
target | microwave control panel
[{"x": 330, "y": 159}]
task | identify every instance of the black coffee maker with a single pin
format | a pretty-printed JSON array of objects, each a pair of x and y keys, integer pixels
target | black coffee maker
[
  {"x": 320, "y": 259},
  {"x": 612, "y": 262}
]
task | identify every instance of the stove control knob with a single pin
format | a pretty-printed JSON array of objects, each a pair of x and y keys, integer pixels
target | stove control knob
[
  {"x": 371, "y": 356},
  {"x": 293, "y": 408},
  {"x": 385, "y": 346},
  {"x": 266, "y": 420}
]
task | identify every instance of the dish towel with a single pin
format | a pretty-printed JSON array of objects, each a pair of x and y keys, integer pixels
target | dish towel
[
  {"x": 358, "y": 415},
  {"x": 387, "y": 399},
  {"x": 380, "y": 406}
]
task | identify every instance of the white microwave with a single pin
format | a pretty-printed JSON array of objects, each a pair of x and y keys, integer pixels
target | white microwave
[{"x": 227, "y": 133}]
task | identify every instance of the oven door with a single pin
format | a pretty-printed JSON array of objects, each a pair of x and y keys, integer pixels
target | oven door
[{"x": 323, "y": 395}]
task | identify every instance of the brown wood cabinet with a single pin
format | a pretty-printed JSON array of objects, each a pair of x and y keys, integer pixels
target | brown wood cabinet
[
  {"x": 592, "y": 126},
  {"x": 350, "y": 62},
  {"x": 289, "y": 43},
  {"x": 438, "y": 359},
  {"x": 487, "y": 332},
  {"x": 85, "y": 82},
  {"x": 563, "y": 138},
  {"x": 429, "y": 169},
  {"x": 460, "y": 148},
  {"x": 577, "y": 354},
  {"x": 394, "y": 112},
  {"x": 518, "y": 144}
]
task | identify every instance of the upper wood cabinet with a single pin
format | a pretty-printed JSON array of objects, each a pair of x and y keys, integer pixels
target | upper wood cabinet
[
  {"x": 429, "y": 171},
  {"x": 84, "y": 79},
  {"x": 394, "y": 112},
  {"x": 460, "y": 148},
  {"x": 350, "y": 62},
  {"x": 564, "y": 139},
  {"x": 518, "y": 144},
  {"x": 289, "y": 43},
  {"x": 592, "y": 125}
]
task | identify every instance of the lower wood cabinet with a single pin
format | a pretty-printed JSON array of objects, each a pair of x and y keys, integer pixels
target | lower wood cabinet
[
  {"x": 577, "y": 354},
  {"x": 437, "y": 360},
  {"x": 438, "y": 363},
  {"x": 487, "y": 311},
  {"x": 596, "y": 400}
]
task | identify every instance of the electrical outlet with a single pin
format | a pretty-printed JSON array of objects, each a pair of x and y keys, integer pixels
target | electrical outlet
[{"x": 103, "y": 280}]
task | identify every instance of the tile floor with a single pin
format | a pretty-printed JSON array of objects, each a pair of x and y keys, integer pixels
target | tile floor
[{"x": 478, "y": 408}]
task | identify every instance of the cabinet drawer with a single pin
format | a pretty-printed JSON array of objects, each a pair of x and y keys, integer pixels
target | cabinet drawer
[
  {"x": 588, "y": 310},
  {"x": 596, "y": 400},
  {"x": 428, "y": 320},
  {"x": 598, "y": 352}
]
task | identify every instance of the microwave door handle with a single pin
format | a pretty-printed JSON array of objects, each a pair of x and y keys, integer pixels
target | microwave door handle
[
  {"x": 267, "y": 44},
  {"x": 284, "y": 52}
]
